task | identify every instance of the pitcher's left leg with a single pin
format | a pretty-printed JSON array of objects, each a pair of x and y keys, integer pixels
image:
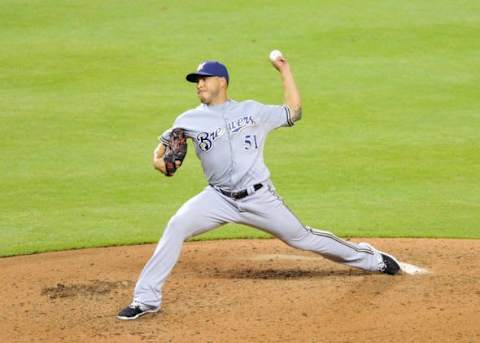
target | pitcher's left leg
[{"x": 266, "y": 211}]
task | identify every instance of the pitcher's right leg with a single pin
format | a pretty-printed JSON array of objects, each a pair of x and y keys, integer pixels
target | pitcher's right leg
[{"x": 202, "y": 213}]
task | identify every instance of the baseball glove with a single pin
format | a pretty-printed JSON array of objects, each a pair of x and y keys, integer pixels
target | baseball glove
[{"x": 175, "y": 151}]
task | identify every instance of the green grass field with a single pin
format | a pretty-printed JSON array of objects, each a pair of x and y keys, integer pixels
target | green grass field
[{"x": 389, "y": 145}]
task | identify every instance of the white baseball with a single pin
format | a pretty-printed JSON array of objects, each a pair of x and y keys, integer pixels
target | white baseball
[{"x": 274, "y": 54}]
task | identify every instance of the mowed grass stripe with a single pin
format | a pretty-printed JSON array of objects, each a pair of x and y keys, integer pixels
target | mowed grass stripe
[{"x": 388, "y": 145}]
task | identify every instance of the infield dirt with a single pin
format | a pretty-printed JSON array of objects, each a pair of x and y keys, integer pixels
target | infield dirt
[{"x": 245, "y": 291}]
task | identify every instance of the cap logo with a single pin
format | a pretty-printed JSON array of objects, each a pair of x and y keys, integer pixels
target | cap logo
[{"x": 200, "y": 66}]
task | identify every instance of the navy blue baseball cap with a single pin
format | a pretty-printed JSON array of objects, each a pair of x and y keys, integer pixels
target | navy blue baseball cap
[{"x": 209, "y": 68}]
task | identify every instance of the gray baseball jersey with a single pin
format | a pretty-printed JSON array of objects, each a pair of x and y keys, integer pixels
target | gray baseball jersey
[{"x": 229, "y": 140}]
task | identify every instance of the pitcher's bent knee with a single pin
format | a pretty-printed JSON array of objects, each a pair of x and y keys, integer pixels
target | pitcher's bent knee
[
  {"x": 301, "y": 244},
  {"x": 180, "y": 226},
  {"x": 299, "y": 240}
]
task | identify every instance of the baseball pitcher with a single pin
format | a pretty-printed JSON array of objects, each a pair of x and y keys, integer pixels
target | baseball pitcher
[{"x": 229, "y": 137}]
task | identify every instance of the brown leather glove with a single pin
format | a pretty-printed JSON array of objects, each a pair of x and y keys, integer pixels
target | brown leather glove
[{"x": 176, "y": 151}]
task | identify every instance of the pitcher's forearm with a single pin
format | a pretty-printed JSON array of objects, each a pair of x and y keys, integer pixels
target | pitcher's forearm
[
  {"x": 158, "y": 162},
  {"x": 291, "y": 94},
  {"x": 159, "y": 165}
]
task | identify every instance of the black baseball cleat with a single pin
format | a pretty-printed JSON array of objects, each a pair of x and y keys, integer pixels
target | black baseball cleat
[
  {"x": 392, "y": 266},
  {"x": 135, "y": 310}
]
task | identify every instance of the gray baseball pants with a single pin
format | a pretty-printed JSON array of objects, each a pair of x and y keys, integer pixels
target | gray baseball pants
[{"x": 262, "y": 209}]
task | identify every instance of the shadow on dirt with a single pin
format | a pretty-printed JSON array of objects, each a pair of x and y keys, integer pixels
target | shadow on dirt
[
  {"x": 93, "y": 288},
  {"x": 288, "y": 274}
]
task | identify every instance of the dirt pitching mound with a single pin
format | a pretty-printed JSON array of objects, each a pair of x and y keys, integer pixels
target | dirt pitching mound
[{"x": 245, "y": 291}]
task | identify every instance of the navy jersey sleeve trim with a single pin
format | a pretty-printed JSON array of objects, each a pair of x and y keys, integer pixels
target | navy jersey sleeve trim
[
  {"x": 290, "y": 122},
  {"x": 164, "y": 141},
  {"x": 165, "y": 137}
]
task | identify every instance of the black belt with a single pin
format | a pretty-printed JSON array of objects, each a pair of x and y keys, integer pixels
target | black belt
[{"x": 241, "y": 194}]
